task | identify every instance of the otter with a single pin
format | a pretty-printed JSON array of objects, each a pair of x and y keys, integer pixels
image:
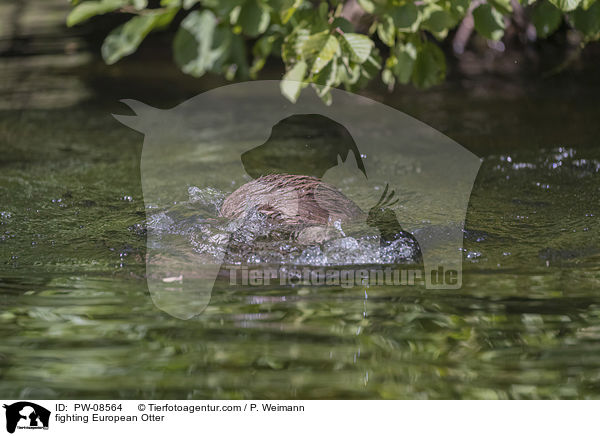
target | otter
[{"x": 312, "y": 211}]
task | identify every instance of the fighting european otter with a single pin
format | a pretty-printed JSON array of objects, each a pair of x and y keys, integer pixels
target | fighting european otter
[{"x": 313, "y": 211}]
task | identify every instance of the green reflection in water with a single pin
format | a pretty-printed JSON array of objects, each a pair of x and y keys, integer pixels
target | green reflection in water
[{"x": 77, "y": 321}]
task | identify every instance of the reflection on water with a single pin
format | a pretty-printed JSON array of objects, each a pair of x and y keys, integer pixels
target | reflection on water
[{"x": 77, "y": 320}]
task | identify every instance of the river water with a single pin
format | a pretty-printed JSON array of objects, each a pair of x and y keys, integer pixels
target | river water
[{"x": 77, "y": 320}]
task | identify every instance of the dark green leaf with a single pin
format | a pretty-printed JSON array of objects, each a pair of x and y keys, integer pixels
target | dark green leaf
[
  {"x": 323, "y": 11},
  {"x": 458, "y": 8},
  {"x": 200, "y": 45},
  {"x": 261, "y": 51},
  {"x": 343, "y": 24},
  {"x": 253, "y": 18},
  {"x": 404, "y": 16},
  {"x": 87, "y": 10},
  {"x": 430, "y": 66},
  {"x": 239, "y": 61},
  {"x": 222, "y": 8},
  {"x": 326, "y": 78},
  {"x": 502, "y": 6},
  {"x": 546, "y": 18},
  {"x": 438, "y": 21},
  {"x": 489, "y": 22},
  {"x": 587, "y": 22},
  {"x": 368, "y": 71},
  {"x": 406, "y": 55},
  {"x": 126, "y": 38}
]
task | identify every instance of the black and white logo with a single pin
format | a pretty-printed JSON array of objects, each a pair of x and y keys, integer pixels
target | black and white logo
[{"x": 26, "y": 415}]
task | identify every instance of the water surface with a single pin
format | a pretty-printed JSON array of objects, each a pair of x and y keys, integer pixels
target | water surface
[{"x": 77, "y": 320}]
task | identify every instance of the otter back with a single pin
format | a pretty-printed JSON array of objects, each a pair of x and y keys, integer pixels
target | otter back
[{"x": 292, "y": 199}]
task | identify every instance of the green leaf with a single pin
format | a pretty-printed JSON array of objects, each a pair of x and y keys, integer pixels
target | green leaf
[
  {"x": 430, "y": 66},
  {"x": 359, "y": 46},
  {"x": 288, "y": 8},
  {"x": 261, "y": 51},
  {"x": 126, "y": 38},
  {"x": 326, "y": 78},
  {"x": 292, "y": 45},
  {"x": 292, "y": 82},
  {"x": 388, "y": 78},
  {"x": 327, "y": 99},
  {"x": 140, "y": 4},
  {"x": 200, "y": 45},
  {"x": 404, "y": 16},
  {"x": 373, "y": 60},
  {"x": 546, "y": 18},
  {"x": 587, "y": 22},
  {"x": 323, "y": 11},
  {"x": 438, "y": 21},
  {"x": 319, "y": 49},
  {"x": 87, "y": 10},
  {"x": 239, "y": 62},
  {"x": 386, "y": 30},
  {"x": 459, "y": 8},
  {"x": 253, "y": 18},
  {"x": 488, "y": 22},
  {"x": 188, "y": 4},
  {"x": 502, "y": 6},
  {"x": 566, "y": 5},
  {"x": 406, "y": 55},
  {"x": 367, "y": 5},
  {"x": 348, "y": 75},
  {"x": 343, "y": 24},
  {"x": 368, "y": 71},
  {"x": 221, "y": 8}
]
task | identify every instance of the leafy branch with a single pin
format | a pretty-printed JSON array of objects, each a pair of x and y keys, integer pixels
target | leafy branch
[{"x": 327, "y": 43}]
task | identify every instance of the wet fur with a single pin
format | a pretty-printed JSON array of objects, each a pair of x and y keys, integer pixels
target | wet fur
[{"x": 291, "y": 200}]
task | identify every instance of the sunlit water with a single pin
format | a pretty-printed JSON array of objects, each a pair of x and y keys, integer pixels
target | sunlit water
[{"x": 77, "y": 320}]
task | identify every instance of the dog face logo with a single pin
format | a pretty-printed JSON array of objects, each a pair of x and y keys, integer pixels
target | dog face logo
[
  {"x": 321, "y": 170},
  {"x": 26, "y": 415}
]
